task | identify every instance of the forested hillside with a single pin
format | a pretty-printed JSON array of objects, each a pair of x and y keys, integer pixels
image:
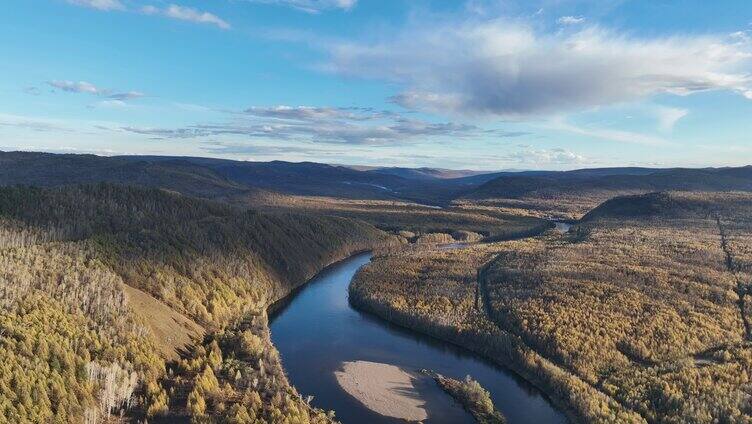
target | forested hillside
[
  {"x": 639, "y": 313},
  {"x": 407, "y": 218},
  {"x": 52, "y": 170},
  {"x": 147, "y": 301},
  {"x": 221, "y": 179},
  {"x": 572, "y": 194},
  {"x": 75, "y": 348}
]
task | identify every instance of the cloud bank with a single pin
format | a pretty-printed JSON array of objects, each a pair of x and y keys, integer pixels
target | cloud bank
[
  {"x": 506, "y": 68},
  {"x": 354, "y": 126}
]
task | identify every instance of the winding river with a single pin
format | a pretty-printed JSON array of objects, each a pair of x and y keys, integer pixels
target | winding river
[{"x": 316, "y": 331}]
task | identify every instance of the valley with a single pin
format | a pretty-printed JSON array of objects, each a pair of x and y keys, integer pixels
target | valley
[
  {"x": 168, "y": 289},
  {"x": 376, "y": 212}
]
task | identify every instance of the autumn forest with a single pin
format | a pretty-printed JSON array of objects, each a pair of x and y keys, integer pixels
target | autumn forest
[{"x": 138, "y": 290}]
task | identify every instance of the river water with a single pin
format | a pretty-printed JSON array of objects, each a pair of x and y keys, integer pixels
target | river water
[{"x": 316, "y": 330}]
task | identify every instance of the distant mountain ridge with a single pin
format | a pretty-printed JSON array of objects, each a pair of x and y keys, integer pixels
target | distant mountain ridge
[
  {"x": 223, "y": 178},
  {"x": 421, "y": 173},
  {"x": 47, "y": 169},
  {"x": 220, "y": 178},
  {"x": 615, "y": 179}
]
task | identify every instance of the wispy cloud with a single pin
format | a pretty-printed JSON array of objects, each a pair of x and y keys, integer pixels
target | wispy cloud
[
  {"x": 110, "y": 104},
  {"x": 188, "y": 14},
  {"x": 76, "y": 87},
  {"x": 34, "y": 91},
  {"x": 354, "y": 126},
  {"x": 570, "y": 20},
  {"x": 556, "y": 156},
  {"x": 99, "y": 4},
  {"x": 266, "y": 149},
  {"x": 508, "y": 68},
  {"x": 172, "y": 11},
  {"x": 32, "y": 123},
  {"x": 130, "y": 95},
  {"x": 84, "y": 87},
  {"x": 668, "y": 117},
  {"x": 310, "y": 113},
  {"x": 311, "y": 6},
  {"x": 608, "y": 134}
]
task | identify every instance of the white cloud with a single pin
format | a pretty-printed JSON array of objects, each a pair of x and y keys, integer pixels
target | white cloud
[
  {"x": 570, "y": 20},
  {"x": 34, "y": 91},
  {"x": 741, "y": 36},
  {"x": 129, "y": 95},
  {"x": 150, "y": 10},
  {"x": 112, "y": 104},
  {"x": 608, "y": 134},
  {"x": 172, "y": 11},
  {"x": 556, "y": 156},
  {"x": 188, "y": 14},
  {"x": 311, "y": 6},
  {"x": 99, "y": 4},
  {"x": 304, "y": 113},
  {"x": 509, "y": 69},
  {"x": 83, "y": 87},
  {"x": 191, "y": 107},
  {"x": 32, "y": 123},
  {"x": 76, "y": 87},
  {"x": 668, "y": 117}
]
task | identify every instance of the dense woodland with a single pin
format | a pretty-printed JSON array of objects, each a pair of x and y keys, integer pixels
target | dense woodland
[
  {"x": 396, "y": 216},
  {"x": 639, "y": 313},
  {"x": 572, "y": 194},
  {"x": 75, "y": 351},
  {"x": 122, "y": 303},
  {"x": 473, "y": 397}
]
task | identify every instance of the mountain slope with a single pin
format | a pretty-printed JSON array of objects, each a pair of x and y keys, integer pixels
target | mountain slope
[
  {"x": 570, "y": 195},
  {"x": 46, "y": 169},
  {"x": 515, "y": 186},
  {"x": 218, "y": 178},
  {"x": 83, "y": 268},
  {"x": 674, "y": 205}
]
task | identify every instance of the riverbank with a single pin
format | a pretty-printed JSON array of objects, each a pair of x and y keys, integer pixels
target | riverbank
[
  {"x": 318, "y": 331},
  {"x": 500, "y": 348},
  {"x": 285, "y": 291},
  {"x": 279, "y": 301}
]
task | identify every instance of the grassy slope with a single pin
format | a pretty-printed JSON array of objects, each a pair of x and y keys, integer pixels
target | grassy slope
[{"x": 173, "y": 333}]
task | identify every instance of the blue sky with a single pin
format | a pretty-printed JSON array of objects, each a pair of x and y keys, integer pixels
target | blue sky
[{"x": 482, "y": 84}]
